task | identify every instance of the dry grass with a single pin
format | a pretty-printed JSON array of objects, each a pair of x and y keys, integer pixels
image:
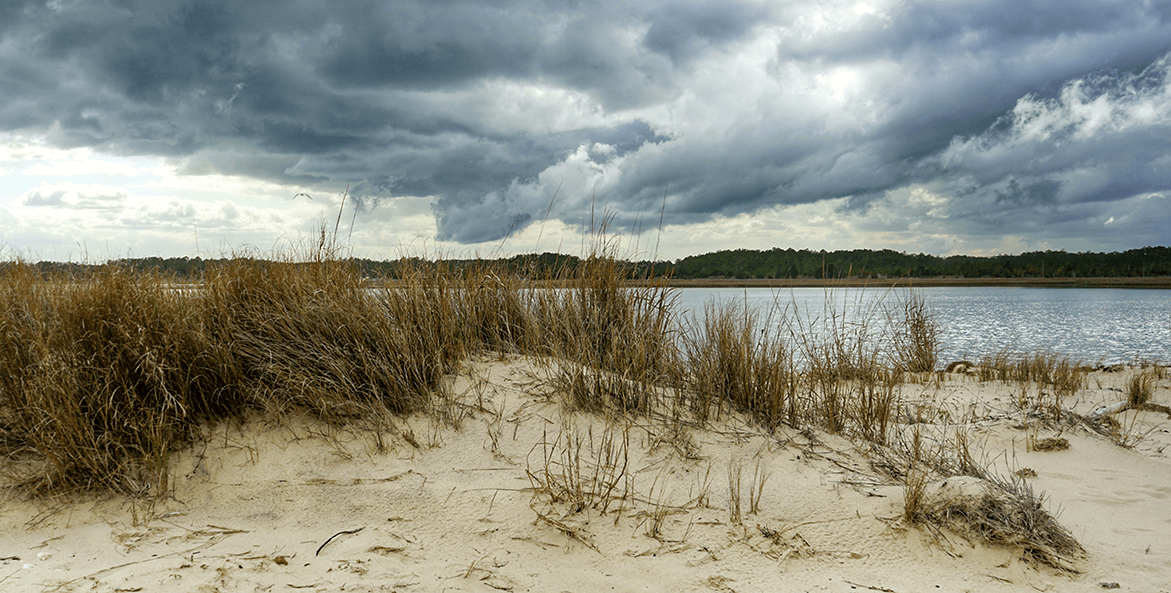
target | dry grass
[
  {"x": 946, "y": 487},
  {"x": 104, "y": 377},
  {"x": 1141, "y": 387},
  {"x": 916, "y": 339},
  {"x": 735, "y": 361},
  {"x": 576, "y": 472},
  {"x": 1046, "y": 379},
  {"x": 612, "y": 342},
  {"x": 1002, "y": 512}
]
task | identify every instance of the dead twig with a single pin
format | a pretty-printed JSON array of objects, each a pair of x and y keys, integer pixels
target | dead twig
[
  {"x": 331, "y": 538},
  {"x": 567, "y": 530},
  {"x": 871, "y": 587}
]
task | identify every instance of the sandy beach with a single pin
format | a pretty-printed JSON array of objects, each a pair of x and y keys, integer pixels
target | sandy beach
[{"x": 473, "y": 504}]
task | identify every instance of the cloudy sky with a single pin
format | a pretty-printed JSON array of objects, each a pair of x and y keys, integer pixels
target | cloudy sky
[{"x": 167, "y": 127}]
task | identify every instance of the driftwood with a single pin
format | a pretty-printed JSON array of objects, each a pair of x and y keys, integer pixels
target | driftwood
[
  {"x": 1111, "y": 409},
  {"x": 1125, "y": 405}
]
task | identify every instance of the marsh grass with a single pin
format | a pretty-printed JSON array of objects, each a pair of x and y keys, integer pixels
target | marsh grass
[
  {"x": 735, "y": 487},
  {"x": 103, "y": 377},
  {"x": 980, "y": 503},
  {"x": 577, "y": 472},
  {"x": 1140, "y": 387},
  {"x": 735, "y": 361},
  {"x": 1005, "y": 511}
]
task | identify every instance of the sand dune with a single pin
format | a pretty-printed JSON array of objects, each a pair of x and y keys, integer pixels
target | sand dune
[{"x": 515, "y": 495}]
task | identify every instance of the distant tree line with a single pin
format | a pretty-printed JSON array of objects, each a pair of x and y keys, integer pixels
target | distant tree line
[
  {"x": 750, "y": 264},
  {"x": 867, "y": 263}
]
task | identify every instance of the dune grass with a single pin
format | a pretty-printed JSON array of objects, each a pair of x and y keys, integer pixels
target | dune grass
[{"x": 104, "y": 377}]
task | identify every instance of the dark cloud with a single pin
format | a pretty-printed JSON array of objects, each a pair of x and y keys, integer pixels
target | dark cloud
[
  {"x": 720, "y": 108},
  {"x": 682, "y": 30}
]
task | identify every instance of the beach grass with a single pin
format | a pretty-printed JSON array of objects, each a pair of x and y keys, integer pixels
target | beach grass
[{"x": 105, "y": 377}]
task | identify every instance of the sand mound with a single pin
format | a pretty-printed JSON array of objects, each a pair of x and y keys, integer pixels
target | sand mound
[{"x": 516, "y": 495}]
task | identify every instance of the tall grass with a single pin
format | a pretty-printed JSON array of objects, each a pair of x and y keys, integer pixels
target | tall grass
[
  {"x": 104, "y": 377},
  {"x": 916, "y": 334},
  {"x": 613, "y": 341},
  {"x": 1054, "y": 376},
  {"x": 825, "y": 370},
  {"x": 734, "y": 360}
]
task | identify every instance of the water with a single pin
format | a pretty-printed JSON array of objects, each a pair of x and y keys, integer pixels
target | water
[{"x": 1095, "y": 325}]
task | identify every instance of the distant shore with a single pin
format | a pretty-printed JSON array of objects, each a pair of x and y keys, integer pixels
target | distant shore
[{"x": 1161, "y": 282}]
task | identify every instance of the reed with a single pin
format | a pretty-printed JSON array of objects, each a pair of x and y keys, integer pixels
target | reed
[
  {"x": 612, "y": 342},
  {"x": 1046, "y": 379},
  {"x": 101, "y": 378},
  {"x": 916, "y": 335},
  {"x": 734, "y": 361}
]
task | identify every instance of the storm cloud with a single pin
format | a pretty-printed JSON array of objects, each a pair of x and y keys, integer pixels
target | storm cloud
[{"x": 1045, "y": 119}]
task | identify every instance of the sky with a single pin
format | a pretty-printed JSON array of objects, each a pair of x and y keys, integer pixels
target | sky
[{"x": 136, "y": 128}]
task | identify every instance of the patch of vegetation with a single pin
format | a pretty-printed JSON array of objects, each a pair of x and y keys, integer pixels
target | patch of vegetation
[{"x": 108, "y": 371}]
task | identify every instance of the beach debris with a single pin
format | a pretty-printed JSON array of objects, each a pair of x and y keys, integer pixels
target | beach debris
[
  {"x": 871, "y": 587},
  {"x": 1050, "y": 444},
  {"x": 1000, "y": 512},
  {"x": 962, "y": 367},
  {"x": 1111, "y": 409},
  {"x": 331, "y": 538}
]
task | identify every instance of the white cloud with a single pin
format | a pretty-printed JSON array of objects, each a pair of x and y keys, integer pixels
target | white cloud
[
  {"x": 17, "y": 147},
  {"x": 1085, "y": 111},
  {"x": 76, "y": 196},
  {"x": 91, "y": 166}
]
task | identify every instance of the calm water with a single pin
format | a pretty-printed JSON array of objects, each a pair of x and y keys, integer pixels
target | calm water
[{"x": 1095, "y": 325}]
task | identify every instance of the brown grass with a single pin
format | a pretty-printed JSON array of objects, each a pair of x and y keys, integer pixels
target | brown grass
[
  {"x": 916, "y": 339},
  {"x": 612, "y": 343},
  {"x": 1141, "y": 387},
  {"x": 1046, "y": 379},
  {"x": 734, "y": 360},
  {"x": 103, "y": 378}
]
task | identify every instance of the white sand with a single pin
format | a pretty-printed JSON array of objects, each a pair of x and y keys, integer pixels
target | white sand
[{"x": 255, "y": 508}]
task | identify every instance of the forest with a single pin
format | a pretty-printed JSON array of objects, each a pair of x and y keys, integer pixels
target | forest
[{"x": 774, "y": 263}]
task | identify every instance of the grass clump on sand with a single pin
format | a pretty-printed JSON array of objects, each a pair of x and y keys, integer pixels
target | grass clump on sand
[
  {"x": 944, "y": 486},
  {"x": 1046, "y": 378},
  {"x": 612, "y": 341},
  {"x": 916, "y": 336},
  {"x": 735, "y": 360},
  {"x": 997, "y": 511},
  {"x": 103, "y": 377}
]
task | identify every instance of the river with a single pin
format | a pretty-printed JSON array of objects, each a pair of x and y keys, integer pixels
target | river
[{"x": 1093, "y": 325}]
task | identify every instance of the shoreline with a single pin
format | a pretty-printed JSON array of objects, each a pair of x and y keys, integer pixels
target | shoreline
[{"x": 1159, "y": 283}]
